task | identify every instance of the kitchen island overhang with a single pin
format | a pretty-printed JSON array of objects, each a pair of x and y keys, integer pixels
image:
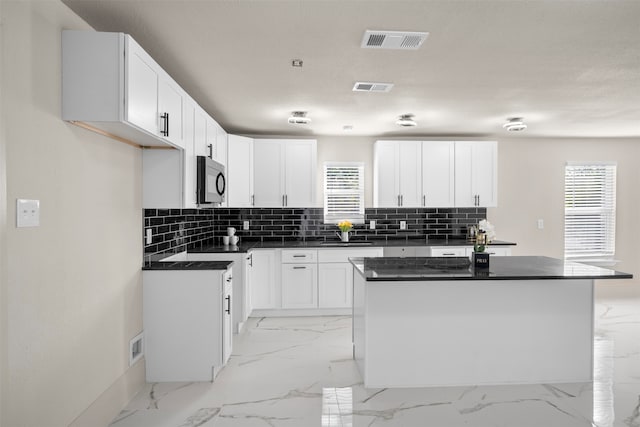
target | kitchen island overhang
[{"x": 528, "y": 320}]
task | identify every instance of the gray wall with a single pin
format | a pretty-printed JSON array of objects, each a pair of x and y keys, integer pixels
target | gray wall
[{"x": 71, "y": 289}]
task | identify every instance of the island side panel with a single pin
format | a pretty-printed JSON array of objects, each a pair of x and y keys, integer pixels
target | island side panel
[
  {"x": 433, "y": 333},
  {"x": 358, "y": 322}
]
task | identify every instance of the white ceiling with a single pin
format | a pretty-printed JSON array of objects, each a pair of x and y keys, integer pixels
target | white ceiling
[{"x": 570, "y": 68}]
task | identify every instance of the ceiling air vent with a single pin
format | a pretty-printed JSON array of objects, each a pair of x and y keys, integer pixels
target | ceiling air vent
[
  {"x": 393, "y": 39},
  {"x": 372, "y": 87}
]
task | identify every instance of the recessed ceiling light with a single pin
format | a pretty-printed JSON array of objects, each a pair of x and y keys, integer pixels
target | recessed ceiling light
[
  {"x": 299, "y": 118},
  {"x": 406, "y": 120},
  {"x": 514, "y": 124},
  {"x": 296, "y": 63}
]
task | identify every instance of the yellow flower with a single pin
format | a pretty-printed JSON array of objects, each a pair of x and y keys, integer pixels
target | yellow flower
[{"x": 345, "y": 225}]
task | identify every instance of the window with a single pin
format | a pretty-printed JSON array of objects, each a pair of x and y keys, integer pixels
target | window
[
  {"x": 590, "y": 211},
  {"x": 344, "y": 192}
]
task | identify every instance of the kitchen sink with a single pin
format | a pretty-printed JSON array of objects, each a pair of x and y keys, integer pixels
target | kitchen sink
[{"x": 340, "y": 244}]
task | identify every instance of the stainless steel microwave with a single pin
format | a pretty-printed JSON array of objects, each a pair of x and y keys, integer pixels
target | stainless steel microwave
[{"x": 211, "y": 181}]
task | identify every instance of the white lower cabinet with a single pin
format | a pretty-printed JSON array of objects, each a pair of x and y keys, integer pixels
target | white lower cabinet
[
  {"x": 299, "y": 285},
  {"x": 187, "y": 323},
  {"x": 445, "y": 251},
  {"x": 241, "y": 310},
  {"x": 492, "y": 250},
  {"x": 264, "y": 293},
  {"x": 335, "y": 275},
  {"x": 335, "y": 282}
]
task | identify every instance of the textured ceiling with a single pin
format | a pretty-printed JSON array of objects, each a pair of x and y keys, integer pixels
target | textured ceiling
[{"x": 570, "y": 68}]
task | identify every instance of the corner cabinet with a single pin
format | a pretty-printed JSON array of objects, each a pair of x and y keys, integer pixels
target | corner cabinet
[
  {"x": 285, "y": 173},
  {"x": 111, "y": 84},
  {"x": 435, "y": 174},
  {"x": 187, "y": 323}
]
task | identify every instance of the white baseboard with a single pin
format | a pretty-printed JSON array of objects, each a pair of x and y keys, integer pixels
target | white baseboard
[
  {"x": 301, "y": 312},
  {"x": 109, "y": 404}
]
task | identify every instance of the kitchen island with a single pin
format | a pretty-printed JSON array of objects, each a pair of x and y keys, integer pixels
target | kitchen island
[{"x": 420, "y": 322}]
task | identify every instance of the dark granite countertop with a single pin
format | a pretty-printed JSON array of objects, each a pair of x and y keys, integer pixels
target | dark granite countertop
[
  {"x": 459, "y": 268},
  {"x": 354, "y": 243},
  {"x": 188, "y": 265}
]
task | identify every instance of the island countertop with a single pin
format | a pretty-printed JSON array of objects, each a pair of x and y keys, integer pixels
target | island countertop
[{"x": 459, "y": 268}]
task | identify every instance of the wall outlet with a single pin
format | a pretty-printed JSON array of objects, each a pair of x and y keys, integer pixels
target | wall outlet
[
  {"x": 136, "y": 348},
  {"x": 148, "y": 236},
  {"x": 372, "y": 225},
  {"x": 403, "y": 225},
  {"x": 540, "y": 224},
  {"x": 245, "y": 225},
  {"x": 27, "y": 213}
]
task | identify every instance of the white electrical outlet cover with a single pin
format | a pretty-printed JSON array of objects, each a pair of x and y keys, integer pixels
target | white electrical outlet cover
[
  {"x": 403, "y": 225},
  {"x": 245, "y": 225},
  {"x": 372, "y": 225},
  {"x": 27, "y": 213}
]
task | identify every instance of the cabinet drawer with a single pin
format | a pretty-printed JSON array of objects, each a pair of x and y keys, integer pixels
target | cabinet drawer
[
  {"x": 399, "y": 251},
  {"x": 343, "y": 255},
  {"x": 291, "y": 256},
  {"x": 494, "y": 250},
  {"x": 445, "y": 251}
]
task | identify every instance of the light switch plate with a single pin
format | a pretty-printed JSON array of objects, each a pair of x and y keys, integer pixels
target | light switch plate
[
  {"x": 149, "y": 237},
  {"x": 372, "y": 225},
  {"x": 245, "y": 225},
  {"x": 403, "y": 225},
  {"x": 27, "y": 213},
  {"x": 540, "y": 224}
]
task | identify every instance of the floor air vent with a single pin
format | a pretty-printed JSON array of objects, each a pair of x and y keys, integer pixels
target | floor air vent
[{"x": 393, "y": 40}]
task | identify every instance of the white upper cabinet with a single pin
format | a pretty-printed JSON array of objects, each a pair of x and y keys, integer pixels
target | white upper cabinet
[
  {"x": 268, "y": 173},
  {"x": 200, "y": 133},
  {"x": 438, "y": 173},
  {"x": 386, "y": 182},
  {"x": 300, "y": 173},
  {"x": 435, "y": 173},
  {"x": 476, "y": 173},
  {"x": 284, "y": 172},
  {"x": 397, "y": 174},
  {"x": 171, "y": 104},
  {"x": 221, "y": 145},
  {"x": 111, "y": 84},
  {"x": 240, "y": 172},
  {"x": 142, "y": 77}
]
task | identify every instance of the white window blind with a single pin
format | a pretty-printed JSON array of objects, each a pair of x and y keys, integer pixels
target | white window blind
[
  {"x": 590, "y": 210},
  {"x": 344, "y": 192}
]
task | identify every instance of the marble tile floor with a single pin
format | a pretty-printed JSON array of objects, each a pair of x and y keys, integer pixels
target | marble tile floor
[{"x": 287, "y": 372}]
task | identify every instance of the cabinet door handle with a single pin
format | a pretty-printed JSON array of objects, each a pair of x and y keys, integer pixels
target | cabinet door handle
[
  {"x": 401, "y": 200},
  {"x": 210, "y": 151},
  {"x": 253, "y": 200},
  {"x": 165, "y": 127},
  {"x": 424, "y": 200},
  {"x": 228, "y": 298},
  {"x": 398, "y": 200},
  {"x": 250, "y": 259},
  {"x": 286, "y": 200},
  {"x": 299, "y": 268},
  {"x": 283, "y": 200},
  {"x": 478, "y": 200}
]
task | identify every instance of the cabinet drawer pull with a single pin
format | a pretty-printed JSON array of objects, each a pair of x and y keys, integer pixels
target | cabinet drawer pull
[
  {"x": 299, "y": 256},
  {"x": 299, "y": 268},
  {"x": 449, "y": 254}
]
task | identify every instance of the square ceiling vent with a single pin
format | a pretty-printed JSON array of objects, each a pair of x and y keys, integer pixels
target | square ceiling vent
[
  {"x": 372, "y": 87},
  {"x": 402, "y": 40}
]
